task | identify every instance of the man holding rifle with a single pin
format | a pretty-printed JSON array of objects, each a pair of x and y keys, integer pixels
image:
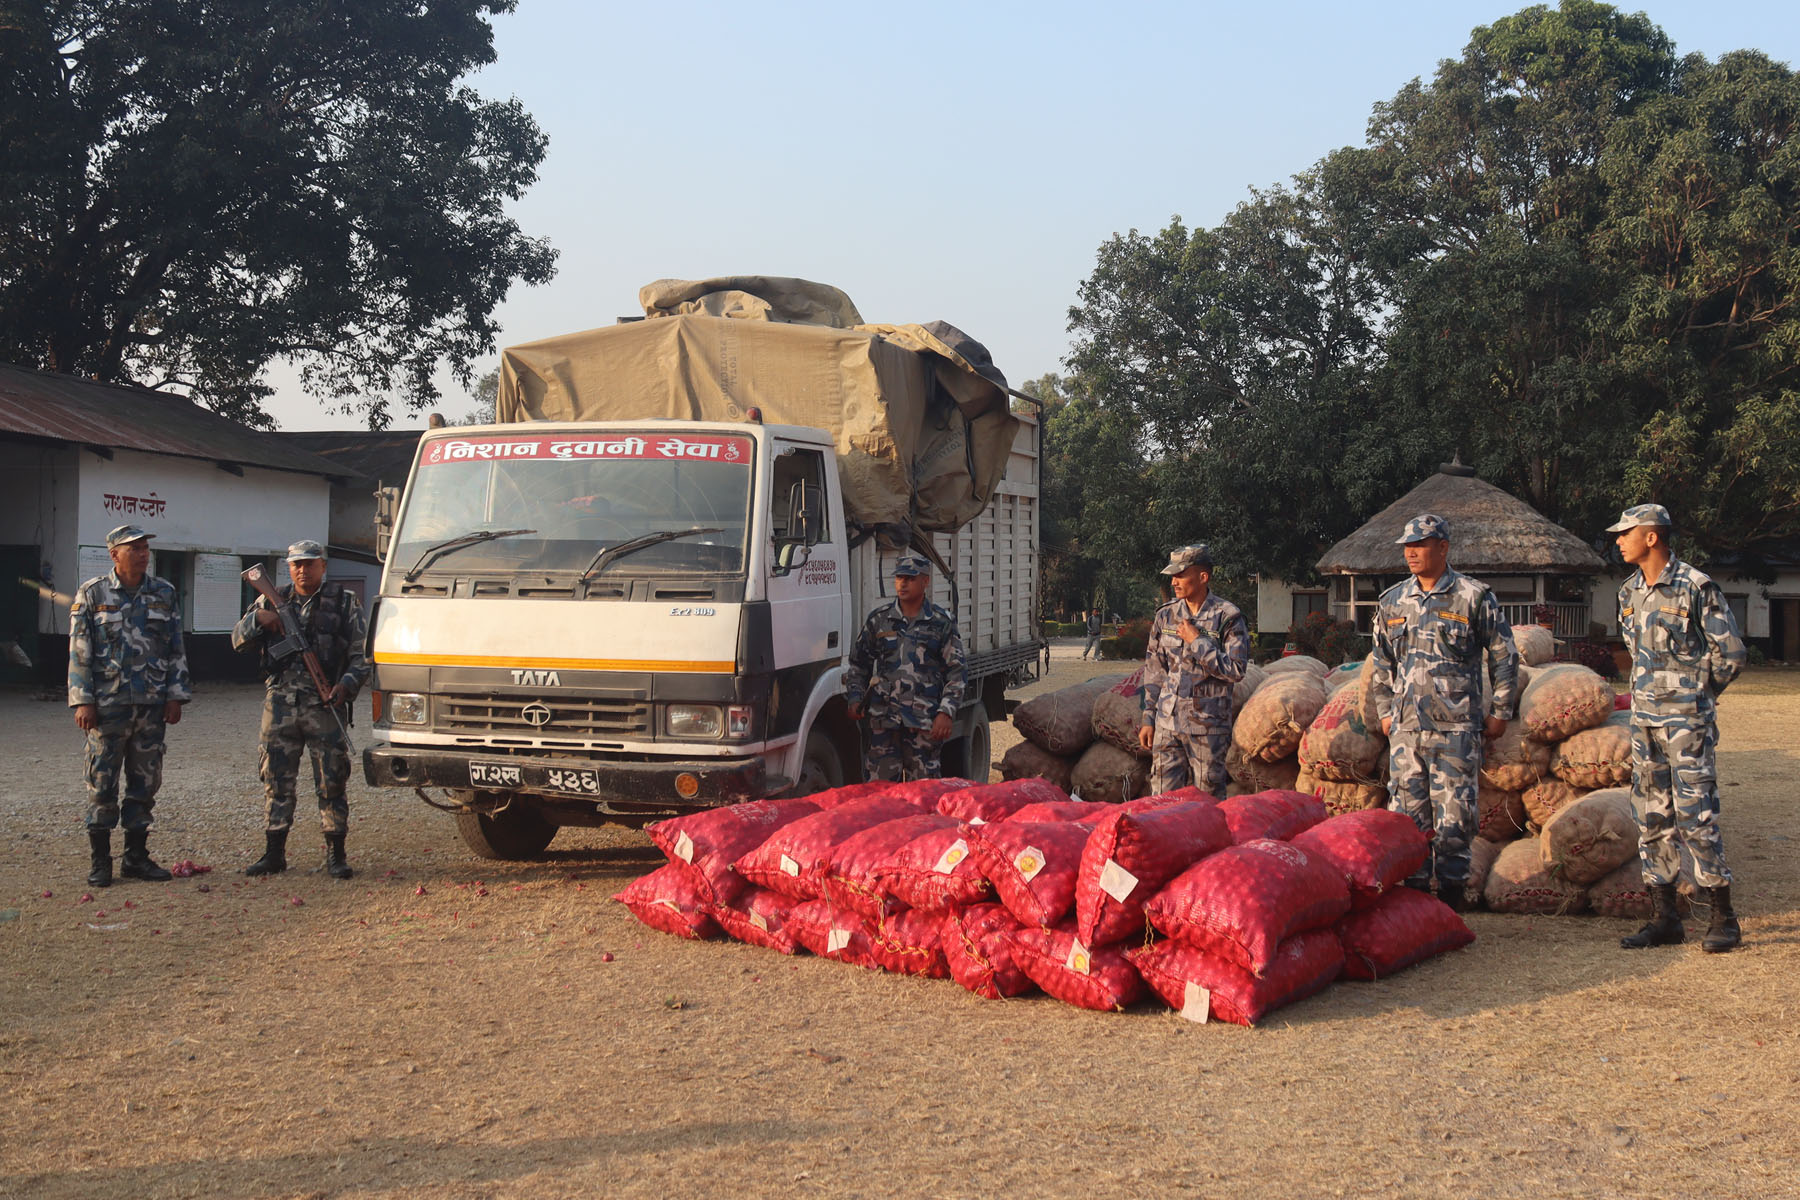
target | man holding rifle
[{"x": 310, "y": 637}]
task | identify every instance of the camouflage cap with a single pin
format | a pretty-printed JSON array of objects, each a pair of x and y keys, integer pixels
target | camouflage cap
[
  {"x": 1641, "y": 514},
  {"x": 304, "y": 549},
  {"x": 1423, "y": 528},
  {"x": 126, "y": 533},
  {"x": 1195, "y": 554},
  {"x": 912, "y": 564}
]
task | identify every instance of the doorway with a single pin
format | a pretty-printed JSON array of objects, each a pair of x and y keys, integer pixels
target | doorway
[{"x": 1784, "y": 629}]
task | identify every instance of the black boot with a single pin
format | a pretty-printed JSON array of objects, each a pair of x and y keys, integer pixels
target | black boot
[
  {"x": 274, "y": 859},
  {"x": 100, "y": 872},
  {"x": 1455, "y": 895},
  {"x": 1722, "y": 933},
  {"x": 336, "y": 865},
  {"x": 1664, "y": 928},
  {"x": 136, "y": 862}
]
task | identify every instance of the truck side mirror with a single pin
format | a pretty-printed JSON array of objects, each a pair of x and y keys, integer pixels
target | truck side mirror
[
  {"x": 387, "y": 507},
  {"x": 789, "y": 555}
]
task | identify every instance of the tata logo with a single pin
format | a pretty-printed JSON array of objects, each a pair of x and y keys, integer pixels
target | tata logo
[
  {"x": 536, "y": 679},
  {"x": 536, "y": 715}
]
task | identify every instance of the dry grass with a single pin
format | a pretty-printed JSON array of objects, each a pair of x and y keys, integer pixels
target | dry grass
[{"x": 373, "y": 1041}]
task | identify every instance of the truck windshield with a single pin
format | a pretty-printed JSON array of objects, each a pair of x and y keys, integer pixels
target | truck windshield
[{"x": 559, "y": 501}]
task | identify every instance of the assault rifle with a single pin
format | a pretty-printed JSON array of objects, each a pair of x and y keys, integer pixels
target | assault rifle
[{"x": 293, "y": 641}]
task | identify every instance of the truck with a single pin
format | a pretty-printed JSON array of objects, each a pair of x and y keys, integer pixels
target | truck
[{"x": 635, "y": 593}]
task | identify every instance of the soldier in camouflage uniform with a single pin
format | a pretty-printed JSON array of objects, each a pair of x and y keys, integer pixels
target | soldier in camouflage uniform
[
  {"x": 1685, "y": 650},
  {"x": 1199, "y": 648},
  {"x": 1432, "y": 635},
  {"x": 296, "y": 719},
  {"x": 906, "y": 674},
  {"x": 128, "y": 678}
]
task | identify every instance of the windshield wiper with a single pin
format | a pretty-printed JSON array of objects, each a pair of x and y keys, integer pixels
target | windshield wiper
[
  {"x": 606, "y": 556},
  {"x": 433, "y": 553}
]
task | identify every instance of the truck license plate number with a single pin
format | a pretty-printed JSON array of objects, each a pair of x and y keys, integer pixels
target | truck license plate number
[
  {"x": 495, "y": 774},
  {"x": 583, "y": 781}
]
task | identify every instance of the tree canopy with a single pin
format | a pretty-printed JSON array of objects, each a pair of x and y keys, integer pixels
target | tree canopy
[
  {"x": 198, "y": 188},
  {"x": 1571, "y": 256}
]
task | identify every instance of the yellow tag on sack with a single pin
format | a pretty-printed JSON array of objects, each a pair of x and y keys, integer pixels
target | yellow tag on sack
[
  {"x": 1030, "y": 861},
  {"x": 1078, "y": 960}
]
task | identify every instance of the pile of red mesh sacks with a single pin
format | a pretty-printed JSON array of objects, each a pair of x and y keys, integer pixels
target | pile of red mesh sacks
[{"x": 1226, "y": 910}]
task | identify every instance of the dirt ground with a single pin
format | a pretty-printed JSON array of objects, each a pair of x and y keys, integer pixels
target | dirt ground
[{"x": 443, "y": 1026}]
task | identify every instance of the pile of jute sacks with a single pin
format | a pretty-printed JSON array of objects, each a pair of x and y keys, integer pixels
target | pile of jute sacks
[
  {"x": 1556, "y": 828},
  {"x": 1225, "y": 910}
]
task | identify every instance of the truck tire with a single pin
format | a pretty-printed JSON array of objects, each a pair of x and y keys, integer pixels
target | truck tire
[
  {"x": 513, "y": 834},
  {"x": 971, "y": 756},
  {"x": 821, "y": 769}
]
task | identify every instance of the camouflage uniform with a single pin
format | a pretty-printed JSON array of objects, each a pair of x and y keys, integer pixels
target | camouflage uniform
[
  {"x": 1187, "y": 692},
  {"x": 126, "y": 658},
  {"x": 907, "y": 672},
  {"x": 1685, "y": 651},
  {"x": 1428, "y": 650},
  {"x": 295, "y": 719}
]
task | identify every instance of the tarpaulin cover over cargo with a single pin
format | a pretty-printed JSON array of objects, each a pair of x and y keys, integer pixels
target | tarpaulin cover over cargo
[{"x": 919, "y": 412}]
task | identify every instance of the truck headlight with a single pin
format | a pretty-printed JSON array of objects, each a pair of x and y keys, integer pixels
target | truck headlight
[
  {"x": 406, "y": 708},
  {"x": 694, "y": 721}
]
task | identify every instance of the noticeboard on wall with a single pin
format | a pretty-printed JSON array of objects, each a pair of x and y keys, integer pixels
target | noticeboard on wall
[{"x": 217, "y": 591}]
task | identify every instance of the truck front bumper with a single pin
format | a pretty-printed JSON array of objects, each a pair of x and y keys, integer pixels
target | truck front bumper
[{"x": 720, "y": 780}]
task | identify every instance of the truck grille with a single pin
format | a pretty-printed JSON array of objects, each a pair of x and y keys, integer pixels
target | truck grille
[{"x": 570, "y": 716}]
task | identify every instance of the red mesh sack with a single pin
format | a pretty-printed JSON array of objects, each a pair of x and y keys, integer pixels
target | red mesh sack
[
  {"x": 934, "y": 871},
  {"x": 927, "y": 792},
  {"x": 836, "y": 796},
  {"x": 795, "y": 856},
  {"x": 1244, "y": 901},
  {"x": 758, "y": 916},
  {"x": 997, "y": 801},
  {"x": 1061, "y": 810},
  {"x": 668, "y": 899},
  {"x": 832, "y": 932},
  {"x": 1277, "y": 813},
  {"x": 707, "y": 843},
  {"x": 1374, "y": 850},
  {"x": 1056, "y": 961},
  {"x": 909, "y": 943},
  {"x": 978, "y": 954},
  {"x": 1131, "y": 855},
  {"x": 1403, "y": 928},
  {"x": 1032, "y": 865},
  {"x": 849, "y": 880},
  {"x": 1202, "y": 986}
]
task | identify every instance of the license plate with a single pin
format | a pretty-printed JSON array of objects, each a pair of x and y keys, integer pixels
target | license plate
[
  {"x": 583, "y": 781},
  {"x": 495, "y": 774}
]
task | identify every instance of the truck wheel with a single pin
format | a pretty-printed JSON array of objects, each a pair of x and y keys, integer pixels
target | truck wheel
[
  {"x": 821, "y": 769},
  {"x": 971, "y": 756},
  {"x": 514, "y": 833}
]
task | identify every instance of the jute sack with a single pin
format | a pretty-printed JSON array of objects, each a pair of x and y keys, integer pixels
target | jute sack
[
  {"x": 1255, "y": 775},
  {"x": 1108, "y": 775},
  {"x": 1339, "y": 745},
  {"x": 1342, "y": 798},
  {"x": 1297, "y": 662},
  {"x": 1499, "y": 813},
  {"x": 1245, "y": 688},
  {"x": 1482, "y": 854},
  {"x": 1547, "y": 797},
  {"x": 1028, "y": 760},
  {"x": 1622, "y": 892},
  {"x": 1276, "y": 718},
  {"x": 1536, "y": 645},
  {"x": 1119, "y": 711},
  {"x": 1589, "y": 838},
  {"x": 1513, "y": 761},
  {"x": 1342, "y": 675},
  {"x": 1519, "y": 883},
  {"x": 1597, "y": 758},
  {"x": 1563, "y": 700},
  {"x": 1062, "y": 721}
]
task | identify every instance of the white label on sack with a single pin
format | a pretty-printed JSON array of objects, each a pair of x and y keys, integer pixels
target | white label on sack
[
  {"x": 952, "y": 855},
  {"x": 976, "y": 821},
  {"x": 789, "y": 866},
  {"x": 1196, "y": 1003},
  {"x": 836, "y": 939},
  {"x": 1116, "y": 881},
  {"x": 1030, "y": 861},
  {"x": 1079, "y": 960},
  {"x": 758, "y": 920},
  {"x": 684, "y": 847}
]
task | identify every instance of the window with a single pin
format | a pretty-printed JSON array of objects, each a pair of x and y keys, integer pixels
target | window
[
  {"x": 794, "y": 468},
  {"x": 177, "y": 567},
  {"x": 1740, "y": 610},
  {"x": 1307, "y": 603}
]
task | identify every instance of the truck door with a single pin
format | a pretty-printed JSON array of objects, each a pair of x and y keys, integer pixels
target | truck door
[{"x": 807, "y": 570}]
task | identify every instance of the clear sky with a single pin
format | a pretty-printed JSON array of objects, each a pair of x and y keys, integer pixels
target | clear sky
[{"x": 957, "y": 162}]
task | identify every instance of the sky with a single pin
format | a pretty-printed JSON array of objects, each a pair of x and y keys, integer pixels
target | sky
[{"x": 957, "y": 162}]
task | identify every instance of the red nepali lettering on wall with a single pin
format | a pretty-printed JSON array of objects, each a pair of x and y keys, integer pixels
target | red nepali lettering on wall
[{"x": 148, "y": 506}]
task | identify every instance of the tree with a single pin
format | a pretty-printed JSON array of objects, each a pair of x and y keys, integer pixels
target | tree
[
  {"x": 486, "y": 395},
  {"x": 198, "y": 188}
]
